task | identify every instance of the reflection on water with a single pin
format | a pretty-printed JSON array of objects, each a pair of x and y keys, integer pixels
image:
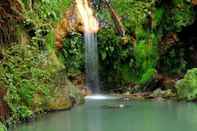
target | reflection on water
[{"x": 106, "y": 115}]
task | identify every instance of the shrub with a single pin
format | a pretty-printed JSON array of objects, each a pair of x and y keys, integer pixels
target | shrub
[{"x": 187, "y": 87}]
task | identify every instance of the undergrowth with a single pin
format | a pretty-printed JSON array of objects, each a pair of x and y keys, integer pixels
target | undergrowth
[{"x": 25, "y": 72}]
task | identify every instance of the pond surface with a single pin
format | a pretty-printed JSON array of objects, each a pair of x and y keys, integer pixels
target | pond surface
[{"x": 106, "y": 115}]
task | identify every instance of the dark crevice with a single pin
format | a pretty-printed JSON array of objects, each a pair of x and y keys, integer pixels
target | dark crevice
[{"x": 188, "y": 37}]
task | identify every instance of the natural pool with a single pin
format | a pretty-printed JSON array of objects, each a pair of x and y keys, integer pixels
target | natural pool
[{"x": 106, "y": 115}]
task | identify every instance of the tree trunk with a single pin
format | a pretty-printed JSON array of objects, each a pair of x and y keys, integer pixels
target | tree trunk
[{"x": 117, "y": 21}]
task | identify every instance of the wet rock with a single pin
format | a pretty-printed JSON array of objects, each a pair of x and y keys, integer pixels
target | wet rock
[
  {"x": 159, "y": 94},
  {"x": 71, "y": 22},
  {"x": 194, "y": 2}
]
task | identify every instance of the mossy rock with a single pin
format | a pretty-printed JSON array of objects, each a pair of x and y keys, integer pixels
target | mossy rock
[
  {"x": 59, "y": 103},
  {"x": 187, "y": 87}
]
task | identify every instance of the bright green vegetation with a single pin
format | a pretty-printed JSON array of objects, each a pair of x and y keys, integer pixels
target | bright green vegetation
[
  {"x": 35, "y": 74},
  {"x": 135, "y": 61},
  {"x": 41, "y": 17},
  {"x": 31, "y": 79},
  {"x": 26, "y": 72},
  {"x": 2, "y": 127},
  {"x": 187, "y": 87},
  {"x": 138, "y": 64},
  {"x": 134, "y": 64}
]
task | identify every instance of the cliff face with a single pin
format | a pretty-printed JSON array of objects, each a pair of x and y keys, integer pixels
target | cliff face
[
  {"x": 71, "y": 22},
  {"x": 10, "y": 11},
  {"x": 194, "y": 2},
  {"x": 4, "y": 109},
  {"x": 30, "y": 75}
]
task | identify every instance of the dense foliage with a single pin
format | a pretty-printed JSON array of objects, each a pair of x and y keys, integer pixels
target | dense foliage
[
  {"x": 134, "y": 58},
  {"x": 24, "y": 73},
  {"x": 73, "y": 55},
  {"x": 30, "y": 72}
]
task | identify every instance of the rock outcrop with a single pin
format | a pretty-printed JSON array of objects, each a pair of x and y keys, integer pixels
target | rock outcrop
[{"x": 71, "y": 22}]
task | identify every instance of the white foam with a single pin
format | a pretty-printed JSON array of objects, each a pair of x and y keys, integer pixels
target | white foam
[{"x": 101, "y": 97}]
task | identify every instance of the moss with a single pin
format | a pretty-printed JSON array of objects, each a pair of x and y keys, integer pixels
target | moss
[{"x": 187, "y": 87}]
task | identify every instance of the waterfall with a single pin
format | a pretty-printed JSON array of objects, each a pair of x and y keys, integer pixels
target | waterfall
[
  {"x": 91, "y": 26},
  {"x": 91, "y": 61}
]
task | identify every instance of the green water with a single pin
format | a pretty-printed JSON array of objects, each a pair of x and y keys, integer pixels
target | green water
[{"x": 136, "y": 116}]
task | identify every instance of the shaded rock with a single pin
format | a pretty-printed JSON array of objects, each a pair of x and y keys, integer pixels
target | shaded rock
[
  {"x": 165, "y": 81},
  {"x": 10, "y": 11},
  {"x": 167, "y": 42},
  {"x": 4, "y": 109}
]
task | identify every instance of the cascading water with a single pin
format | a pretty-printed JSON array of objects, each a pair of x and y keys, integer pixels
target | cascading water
[
  {"x": 91, "y": 45},
  {"x": 91, "y": 61}
]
